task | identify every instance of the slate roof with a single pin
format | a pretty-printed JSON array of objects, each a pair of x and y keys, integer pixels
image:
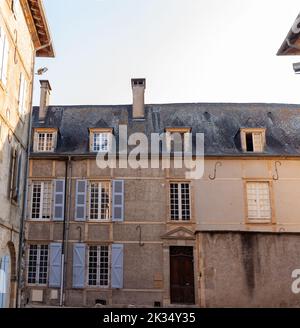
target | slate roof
[{"x": 220, "y": 122}]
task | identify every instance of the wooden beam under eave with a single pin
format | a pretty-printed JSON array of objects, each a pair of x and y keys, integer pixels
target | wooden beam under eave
[
  {"x": 38, "y": 27},
  {"x": 30, "y": 23}
]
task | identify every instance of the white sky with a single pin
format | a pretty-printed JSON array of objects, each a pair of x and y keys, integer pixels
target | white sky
[{"x": 188, "y": 50}]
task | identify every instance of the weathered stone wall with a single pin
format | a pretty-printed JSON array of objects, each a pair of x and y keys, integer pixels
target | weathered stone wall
[
  {"x": 240, "y": 269},
  {"x": 13, "y": 130}
]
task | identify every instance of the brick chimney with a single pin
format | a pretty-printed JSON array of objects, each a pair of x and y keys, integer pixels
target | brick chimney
[
  {"x": 138, "y": 90},
  {"x": 45, "y": 97}
]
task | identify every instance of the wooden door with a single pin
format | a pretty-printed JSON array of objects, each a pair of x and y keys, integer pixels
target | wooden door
[{"x": 182, "y": 275}]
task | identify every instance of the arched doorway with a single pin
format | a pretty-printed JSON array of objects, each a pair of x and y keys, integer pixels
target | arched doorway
[
  {"x": 4, "y": 281},
  {"x": 13, "y": 275},
  {"x": 8, "y": 281}
]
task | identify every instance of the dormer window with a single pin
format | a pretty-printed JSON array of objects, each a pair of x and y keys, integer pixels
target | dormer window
[
  {"x": 45, "y": 140},
  {"x": 178, "y": 140},
  {"x": 253, "y": 140},
  {"x": 100, "y": 140}
]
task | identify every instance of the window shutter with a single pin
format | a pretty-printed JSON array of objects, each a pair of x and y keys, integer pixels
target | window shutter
[
  {"x": 4, "y": 270},
  {"x": 59, "y": 200},
  {"x": 29, "y": 200},
  {"x": 117, "y": 259},
  {"x": 1, "y": 49},
  {"x": 35, "y": 141},
  {"x": 23, "y": 108},
  {"x": 118, "y": 201},
  {"x": 80, "y": 211},
  {"x": 257, "y": 142},
  {"x": 79, "y": 251},
  {"x": 5, "y": 61},
  {"x": 21, "y": 92},
  {"x": 55, "y": 265}
]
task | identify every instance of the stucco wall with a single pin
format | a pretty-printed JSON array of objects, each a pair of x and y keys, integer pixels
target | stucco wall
[
  {"x": 221, "y": 203},
  {"x": 14, "y": 128},
  {"x": 248, "y": 269}
]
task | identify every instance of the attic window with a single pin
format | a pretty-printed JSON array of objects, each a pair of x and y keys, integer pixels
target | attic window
[
  {"x": 178, "y": 140},
  {"x": 100, "y": 140},
  {"x": 45, "y": 140},
  {"x": 253, "y": 140}
]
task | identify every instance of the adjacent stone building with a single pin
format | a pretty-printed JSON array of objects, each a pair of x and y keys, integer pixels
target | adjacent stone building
[
  {"x": 24, "y": 35},
  {"x": 153, "y": 236}
]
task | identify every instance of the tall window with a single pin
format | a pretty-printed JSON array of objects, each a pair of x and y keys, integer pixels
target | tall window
[
  {"x": 45, "y": 142},
  {"x": 259, "y": 204},
  {"x": 38, "y": 264},
  {"x": 41, "y": 203},
  {"x": 22, "y": 95},
  {"x": 16, "y": 169},
  {"x": 4, "y": 52},
  {"x": 100, "y": 142},
  {"x": 98, "y": 266},
  {"x": 99, "y": 196},
  {"x": 180, "y": 201}
]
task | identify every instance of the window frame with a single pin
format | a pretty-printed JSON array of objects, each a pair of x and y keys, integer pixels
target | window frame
[
  {"x": 4, "y": 58},
  {"x": 93, "y": 132},
  {"x": 37, "y": 133},
  {"x": 22, "y": 95},
  {"x": 186, "y": 139},
  {"x": 98, "y": 268},
  {"x": 99, "y": 182},
  {"x": 180, "y": 220},
  {"x": 245, "y": 131},
  {"x": 41, "y": 219},
  {"x": 38, "y": 265},
  {"x": 257, "y": 221}
]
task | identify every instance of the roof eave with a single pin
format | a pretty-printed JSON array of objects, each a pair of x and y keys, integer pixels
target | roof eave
[{"x": 38, "y": 26}]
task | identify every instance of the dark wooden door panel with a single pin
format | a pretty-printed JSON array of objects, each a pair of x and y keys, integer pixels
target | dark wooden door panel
[{"x": 182, "y": 275}]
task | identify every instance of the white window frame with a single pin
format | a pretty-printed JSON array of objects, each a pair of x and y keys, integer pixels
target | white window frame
[
  {"x": 255, "y": 132},
  {"x": 42, "y": 199},
  {"x": 38, "y": 265},
  {"x": 98, "y": 267},
  {"x": 100, "y": 133},
  {"x": 22, "y": 95},
  {"x": 36, "y": 141},
  {"x": 180, "y": 209},
  {"x": 4, "y": 56},
  {"x": 99, "y": 219},
  {"x": 259, "y": 218}
]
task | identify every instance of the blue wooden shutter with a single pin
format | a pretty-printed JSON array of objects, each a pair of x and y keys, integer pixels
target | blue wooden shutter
[
  {"x": 79, "y": 251},
  {"x": 59, "y": 200},
  {"x": 118, "y": 200},
  {"x": 80, "y": 211},
  {"x": 4, "y": 271},
  {"x": 55, "y": 265},
  {"x": 18, "y": 181},
  {"x": 117, "y": 258}
]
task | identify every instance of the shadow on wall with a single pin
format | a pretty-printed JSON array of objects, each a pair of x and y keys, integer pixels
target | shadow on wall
[{"x": 13, "y": 158}]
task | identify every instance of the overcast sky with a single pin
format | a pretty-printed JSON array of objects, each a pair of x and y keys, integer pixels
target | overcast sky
[{"x": 188, "y": 50}]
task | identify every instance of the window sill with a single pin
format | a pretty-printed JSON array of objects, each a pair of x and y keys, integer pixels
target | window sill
[
  {"x": 40, "y": 220},
  {"x": 180, "y": 222},
  {"x": 40, "y": 286},
  {"x": 259, "y": 222},
  {"x": 99, "y": 221}
]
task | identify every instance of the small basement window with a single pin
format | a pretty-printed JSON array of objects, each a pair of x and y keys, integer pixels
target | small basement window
[{"x": 253, "y": 140}]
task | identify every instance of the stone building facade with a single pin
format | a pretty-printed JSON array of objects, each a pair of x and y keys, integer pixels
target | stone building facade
[
  {"x": 154, "y": 236},
  {"x": 23, "y": 36}
]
